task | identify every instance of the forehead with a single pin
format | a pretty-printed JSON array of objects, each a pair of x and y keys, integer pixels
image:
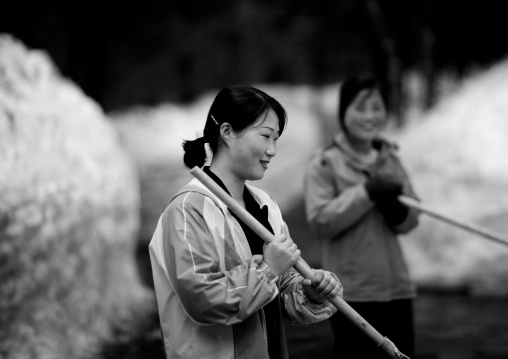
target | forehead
[
  {"x": 268, "y": 119},
  {"x": 368, "y": 95}
]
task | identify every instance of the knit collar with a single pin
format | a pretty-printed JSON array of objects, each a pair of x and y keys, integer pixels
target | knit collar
[{"x": 384, "y": 147}]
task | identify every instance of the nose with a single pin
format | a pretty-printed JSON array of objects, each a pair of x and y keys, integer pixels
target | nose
[
  {"x": 372, "y": 118},
  {"x": 271, "y": 151},
  {"x": 375, "y": 115},
  {"x": 371, "y": 114}
]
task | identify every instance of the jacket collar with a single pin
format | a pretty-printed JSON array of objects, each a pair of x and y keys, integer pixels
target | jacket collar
[{"x": 384, "y": 147}]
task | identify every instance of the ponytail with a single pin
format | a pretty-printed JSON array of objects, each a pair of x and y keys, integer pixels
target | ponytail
[{"x": 195, "y": 153}]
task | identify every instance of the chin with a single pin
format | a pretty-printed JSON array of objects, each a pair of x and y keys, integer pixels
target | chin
[
  {"x": 369, "y": 137},
  {"x": 257, "y": 176}
]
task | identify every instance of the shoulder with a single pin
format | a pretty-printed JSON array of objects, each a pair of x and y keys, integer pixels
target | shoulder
[
  {"x": 188, "y": 198},
  {"x": 262, "y": 195},
  {"x": 265, "y": 199},
  {"x": 323, "y": 158},
  {"x": 383, "y": 144},
  {"x": 389, "y": 151},
  {"x": 192, "y": 198}
]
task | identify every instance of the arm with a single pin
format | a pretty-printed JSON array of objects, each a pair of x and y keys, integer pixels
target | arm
[
  {"x": 299, "y": 307},
  {"x": 303, "y": 304},
  {"x": 328, "y": 212},
  {"x": 193, "y": 257},
  {"x": 383, "y": 189},
  {"x": 411, "y": 221}
]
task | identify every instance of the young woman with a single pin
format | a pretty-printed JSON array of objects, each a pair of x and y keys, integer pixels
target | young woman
[
  {"x": 351, "y": 190},
  {"x": 221, "y": 292}
]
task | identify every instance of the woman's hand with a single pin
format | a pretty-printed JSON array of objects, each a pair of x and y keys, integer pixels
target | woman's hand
[
  {"x": 383, "y": 186},
  {"x": 281, "y": 254},
  {"x": 325, "y": 284}
]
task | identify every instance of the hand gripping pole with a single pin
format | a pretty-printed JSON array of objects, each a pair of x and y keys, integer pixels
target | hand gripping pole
[{"x": 301, "y": 266}]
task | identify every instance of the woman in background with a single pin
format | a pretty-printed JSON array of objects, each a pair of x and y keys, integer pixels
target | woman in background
[
  {"x": 221, "y": 291},
  {"x": 351, "y": 190}
]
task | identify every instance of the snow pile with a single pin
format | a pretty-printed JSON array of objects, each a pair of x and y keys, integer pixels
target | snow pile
[{"x": 456, "y": 157}]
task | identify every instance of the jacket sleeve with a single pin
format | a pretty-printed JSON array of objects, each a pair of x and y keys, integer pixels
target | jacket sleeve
[
  {"x": 299, "y": 308},
  {"x": 328, "y": 214},
  {"x": 208, "y": 294},
  {"x": 411, "y": 220}
]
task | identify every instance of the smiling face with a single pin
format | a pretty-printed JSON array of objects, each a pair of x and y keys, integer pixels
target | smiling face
[
  {"x": 252, "y": 149},
  {"x": 365, "y": 116}
]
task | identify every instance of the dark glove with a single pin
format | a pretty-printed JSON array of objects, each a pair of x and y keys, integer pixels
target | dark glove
[
  {"x": 380, "y": 187},
  {"x": 393, "y": 211}
]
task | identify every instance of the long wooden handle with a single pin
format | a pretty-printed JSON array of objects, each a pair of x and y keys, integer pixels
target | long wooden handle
[
  {"x": 301, "y": 266},
  {"x": 411, "y": 202}
]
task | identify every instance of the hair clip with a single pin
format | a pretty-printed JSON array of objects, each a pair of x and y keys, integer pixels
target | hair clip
[{"x": 214, "y": 120}]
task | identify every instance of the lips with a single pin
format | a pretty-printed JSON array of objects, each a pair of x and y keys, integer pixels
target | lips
[
  {"x": 264, "y": 164},
  {"x": 370, "y": 126}
]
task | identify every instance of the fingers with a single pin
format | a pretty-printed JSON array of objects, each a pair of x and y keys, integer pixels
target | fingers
[
  {"x": 283, "y": 236},
  {"x": 285, "y": 243},
  {"x": 324, "y": 282},
  {"x": 293, "y": 248},
  {"x": 327, "y": 285},
  {"x": 282, "y": 253},
  {"x": 296, "y": 255},
  {"x": 318, "y": 277}
]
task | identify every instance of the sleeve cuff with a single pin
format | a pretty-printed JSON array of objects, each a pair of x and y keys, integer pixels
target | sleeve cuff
[
  {"x": 265, "y": 268},
  {"x": 308, "y": 301}
]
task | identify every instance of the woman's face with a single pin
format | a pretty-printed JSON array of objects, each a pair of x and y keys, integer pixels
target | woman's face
[
  {"x": 252, "y": 149},
  {"x": 365, "y": 116}
]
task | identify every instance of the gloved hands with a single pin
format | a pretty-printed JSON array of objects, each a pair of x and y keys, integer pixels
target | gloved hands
[
  {"x": 384, "y": 190},
  {"x": 381, "y": 187}
]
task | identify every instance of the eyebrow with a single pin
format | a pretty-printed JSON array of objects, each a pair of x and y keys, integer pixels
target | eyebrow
[{"x": 268, "y": 127}]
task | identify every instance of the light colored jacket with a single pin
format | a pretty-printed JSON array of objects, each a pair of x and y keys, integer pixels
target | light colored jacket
[
  {"x": 210, "y": 289},
  {"x": 356, "y": 243}
]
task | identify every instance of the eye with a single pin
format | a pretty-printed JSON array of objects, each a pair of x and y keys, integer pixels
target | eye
[
  {"x": 266, "y": 136},
  {"x": 360, "y": 107}
]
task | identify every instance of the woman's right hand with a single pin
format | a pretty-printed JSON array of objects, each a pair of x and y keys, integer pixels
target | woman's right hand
[
  {"x": 281, "y": 254},
  {"x": 382, "y": 187}
]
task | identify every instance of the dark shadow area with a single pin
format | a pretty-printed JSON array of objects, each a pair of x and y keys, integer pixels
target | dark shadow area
[
  {"x": 447, "y": 326},
  {"x": 124, "y": 54},
  {"x": 139, "y": 340}
]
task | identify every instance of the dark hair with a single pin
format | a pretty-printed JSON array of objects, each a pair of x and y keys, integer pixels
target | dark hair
[
  {"x": 238, "y": 105},
  {"x": 350, "y": 89}
]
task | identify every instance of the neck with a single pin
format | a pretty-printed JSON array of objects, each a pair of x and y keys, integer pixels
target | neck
[
  {"x": 234, "y": 184},
  {"x": 360, "y": 146}
]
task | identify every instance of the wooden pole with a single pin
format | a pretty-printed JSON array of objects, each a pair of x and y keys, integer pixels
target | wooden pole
[
  {"x": 301, "y": 266},
  {"x": 411, "y": 202}
]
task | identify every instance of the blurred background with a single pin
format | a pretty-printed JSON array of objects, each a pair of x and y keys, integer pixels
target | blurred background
[{"x": 96, "y": 98}]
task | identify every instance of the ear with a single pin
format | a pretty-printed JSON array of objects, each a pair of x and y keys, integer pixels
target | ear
[{"x": 226, "y": 132}]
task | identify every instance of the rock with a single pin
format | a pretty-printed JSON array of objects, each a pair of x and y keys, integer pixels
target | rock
[{"x": 69, "y": 215}]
